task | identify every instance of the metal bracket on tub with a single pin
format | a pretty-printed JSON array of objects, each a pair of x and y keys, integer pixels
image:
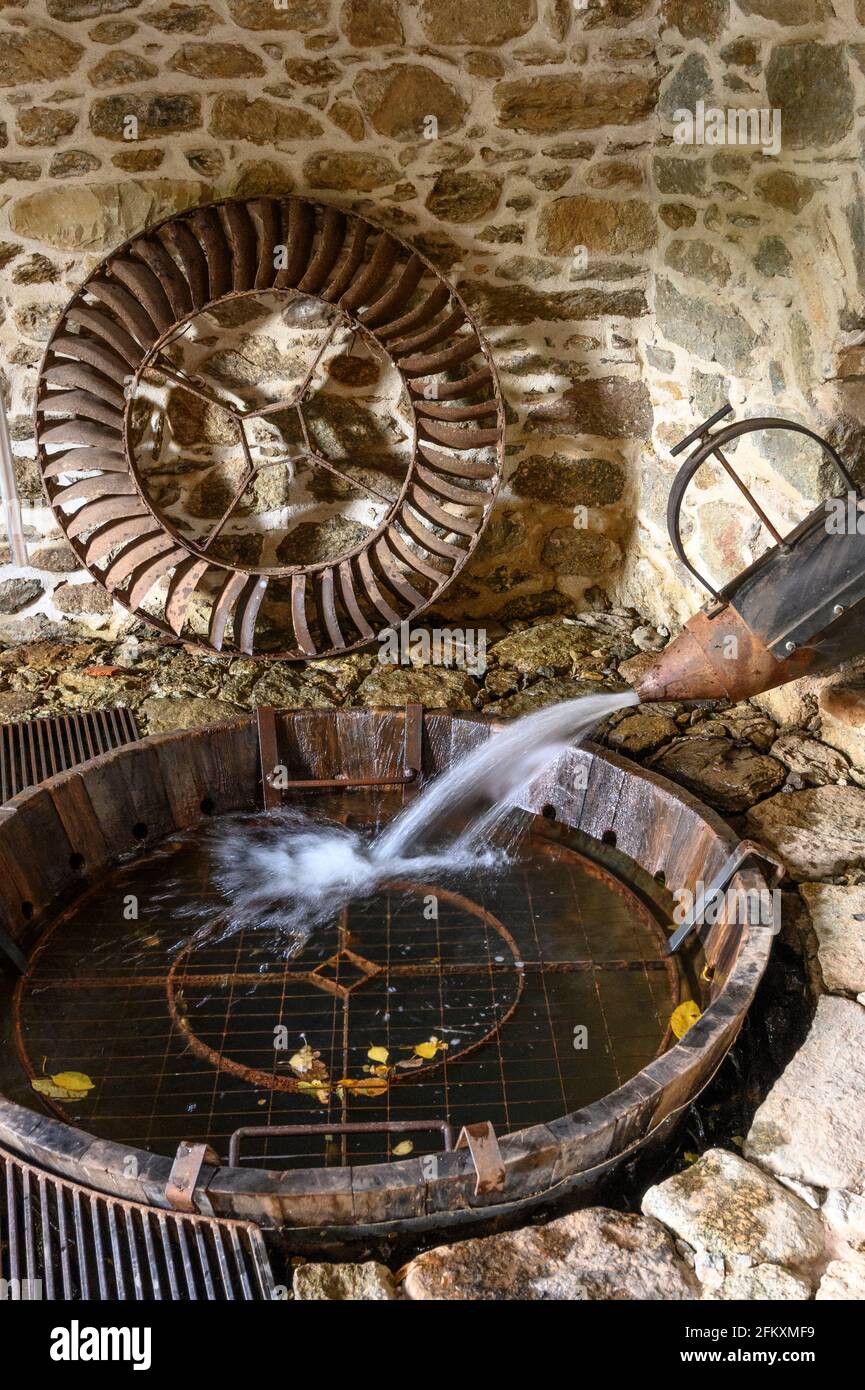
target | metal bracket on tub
[
  {"x": 412, "y": 760},
  {"x": 185, "y": 1172},
  {"x": 482, "y": 1144},
  {"x": 745, "y": 850},
  {"x": 357, "y": 1127}
]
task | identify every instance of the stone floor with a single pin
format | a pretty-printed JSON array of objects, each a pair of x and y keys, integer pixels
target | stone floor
[{"x": 780, "y": 1214}]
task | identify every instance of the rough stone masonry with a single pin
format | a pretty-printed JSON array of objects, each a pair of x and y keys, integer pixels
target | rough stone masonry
[{"x": 628, "y": 283}]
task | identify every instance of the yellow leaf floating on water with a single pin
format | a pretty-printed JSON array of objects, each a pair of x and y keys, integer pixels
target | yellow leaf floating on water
[
  {"x": 73, "y": 1080},
  {"x": 684, "y": 1017},
  {"x": 428, "y": 1050},
  {"x": 403, "y": 1148},
  {"x": 370, "y": 1088},
  {"x": 378, "y": 1054},
  {"x": 45, "y": 1086},
  {"x": 64, "y": 1085}
]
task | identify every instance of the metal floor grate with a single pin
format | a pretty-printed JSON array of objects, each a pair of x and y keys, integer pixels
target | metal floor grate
[
  {"x": 33, "y": 749},
  {"x": 62, "y": 1241}
]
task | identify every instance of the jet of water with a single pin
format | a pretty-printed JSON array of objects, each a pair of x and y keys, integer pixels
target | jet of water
[
  {"x": 485, "y": 785},
  {"x": 292, "y": 873}
]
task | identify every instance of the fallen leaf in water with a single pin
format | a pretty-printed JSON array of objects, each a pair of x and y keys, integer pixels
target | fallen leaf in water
[
  {"x": 403, "y": 1148},
  {"x": 690, "y": 1157},
  {"x": 45, "y": 1086},
  {"x": 73, "y": 1080},
  {"x": 370, "y": 1088},
  {"x": 428, "y": 1050},
  {"x": 315, "y": 1088},
  {"x": 684, "y": 1017},
  {"x": 411, "y": 1063},
  {"x": 378, "y": 1054},
  {"x": 64, "y": 1085}
]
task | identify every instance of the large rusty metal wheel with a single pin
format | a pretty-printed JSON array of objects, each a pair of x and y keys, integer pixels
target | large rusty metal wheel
[{"x": 122, "y": 327}]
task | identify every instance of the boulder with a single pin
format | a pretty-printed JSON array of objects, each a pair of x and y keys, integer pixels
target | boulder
[
  {"x": 838, "y": 917},
  {"x": 163, "y": 715},
  {"x": 728, "y": 1207},
  {"x": 809, "y": 1127},
  {"x": 370, "y": 1281},
  {"x": 817, "y": 833},
  {"x": 592, "y": 1255},
  {"x": 553, "y": 648},
  {"x": 813, "y": 761},
  {"x": 642, "y": 732},
  {"x": 725, "y": 774},
  {"x": 434, "y": 687},
  {"x": 843, "y": 1280},
  {"x": 764, "y": 1283}
]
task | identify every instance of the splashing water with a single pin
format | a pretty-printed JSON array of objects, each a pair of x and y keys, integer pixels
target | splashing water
[{"x": 291, "y": 873}]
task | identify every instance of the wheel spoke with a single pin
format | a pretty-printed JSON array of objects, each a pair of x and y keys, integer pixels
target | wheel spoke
[
  {"x": 180, "y": 379},
  {"x": 244, "y": 484}
]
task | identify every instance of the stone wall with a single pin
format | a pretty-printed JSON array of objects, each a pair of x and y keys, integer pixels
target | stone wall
[
  {"x": 625, "y": 282},
  {"x": 758, "y": 275}
]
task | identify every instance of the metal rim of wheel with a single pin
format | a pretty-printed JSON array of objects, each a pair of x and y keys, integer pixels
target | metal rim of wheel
[{"x": 135, "y": 302}]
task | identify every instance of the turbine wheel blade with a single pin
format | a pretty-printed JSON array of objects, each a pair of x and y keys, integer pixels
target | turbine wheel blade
[
  {"x": 76, "y": 374},
  {"x": 350, "y": 264},
  {"x": 298, "y": 232},
  {"x": 349, "y": 598},
  {"x": 103, "y": 485},
  {"x": 242, "y": 242},
  {"x": 436, "y": 300},
  {"x": 431, "y": 363},
  {"x": 265, "y": 218},
  {"x": 373, "y": 592},
  {"x": 77, "y": 403},
  {"x": 207, "y": 227},
  {"x": 428, "y": 539},
  {"x": 298, "y": 615},
  {"x": 106, "y": 509},
  {"x": 225, "y": 600},
  {"x": 138, "y": 553},
  {"x": 448, "y": 327},
  {"x": 451, "y": 491},
  {"x": 396, "y": 298},
  {"x": 372, "y": 278},
  {"x": 127, "y": 309},
  {"x": 394, "y": 575},
  {"x": 247, "y": 612},
  {"x": 155, "y": 256},
  {"x": 181, "y": 587},
  {"x": 412, "y": 559},
  {"x": 144, "y": 286},
  {"x": 83, "y": 432},
  {"x": 114, "y": 533},
  {"x": 328, "y": 606},
  {"x": 459, "y": 467},
  {"x": 329, "y": 246},
  {"x": 84, "y": 349},
  {"x": 457, "y": 436},
  {"x": 449, "y": 521},
  {"x": 435, "y": 411},
  {"x": 144, "y": 578},
  {"x": 103, "y": 326},
  {"x": 83, "y": 461},
  {"x": 177, "y": 238},
  {"x": 481, "y": 380}
]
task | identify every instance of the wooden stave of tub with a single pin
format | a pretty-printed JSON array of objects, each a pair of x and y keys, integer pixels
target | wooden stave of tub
[{"x": 160, "y": 782}]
